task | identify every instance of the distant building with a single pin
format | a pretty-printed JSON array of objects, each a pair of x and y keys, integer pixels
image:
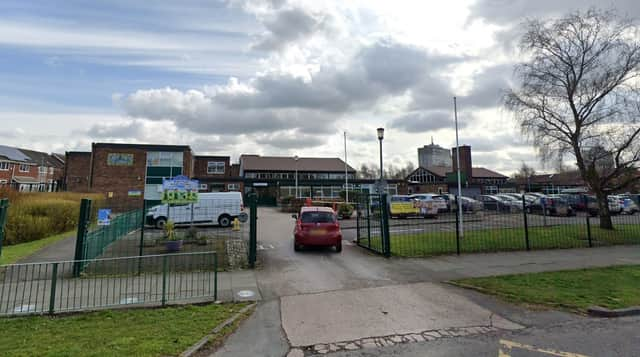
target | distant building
[
  {"x": 216, "y": 174},
  {"x": 434, "y": 155},
  {"x": 29, "y": 170},
  {"x": 474, "y": 180}
]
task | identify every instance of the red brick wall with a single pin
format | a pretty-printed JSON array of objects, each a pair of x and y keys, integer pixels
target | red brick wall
[
  {"x": 200, "y": 166},
  {"x": 118, "y": 180},
  {"x": 77, "y": 170}
]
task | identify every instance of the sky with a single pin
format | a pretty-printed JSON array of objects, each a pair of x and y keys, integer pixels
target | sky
[{"x": 270, "y": 77}]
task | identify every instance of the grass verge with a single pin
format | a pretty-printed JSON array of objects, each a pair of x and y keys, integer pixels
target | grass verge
[
  {"x": 612, "y": 287},
  {"x": 13, "y": 253},
  {"x": 506, "y": 239},
  {"x": 137, "y": 332}
]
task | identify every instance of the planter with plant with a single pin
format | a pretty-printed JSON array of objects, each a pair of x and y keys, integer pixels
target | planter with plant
[{"x": 173, "y": 244}]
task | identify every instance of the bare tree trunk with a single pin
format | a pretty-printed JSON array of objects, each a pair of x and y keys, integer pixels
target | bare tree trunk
[{"x": 605, "y": 215}]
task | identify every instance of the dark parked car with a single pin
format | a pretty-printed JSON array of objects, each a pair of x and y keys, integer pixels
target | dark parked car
[
  {"x": 495, "y": 203},
  {"x": 582, "y": 203},
  {"x": 552, "y": 205}
]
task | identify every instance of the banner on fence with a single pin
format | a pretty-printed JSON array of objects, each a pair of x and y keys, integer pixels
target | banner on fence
[{"x": 179, "y": 190}]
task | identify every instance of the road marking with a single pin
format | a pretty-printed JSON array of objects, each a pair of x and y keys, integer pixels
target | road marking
[
  {"x": 266, "y": 247},
  {"x": 509, "y": 345}
]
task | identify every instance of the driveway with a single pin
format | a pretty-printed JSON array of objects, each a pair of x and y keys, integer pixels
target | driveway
[{"x": 358, "y": 303}]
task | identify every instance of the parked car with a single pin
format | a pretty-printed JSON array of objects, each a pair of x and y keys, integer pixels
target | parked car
[
  {"x": 212, "y": 208},
  {"x": 614, "y": 205},
  {"x": 438, "y": 200},
  {"x": 471, "y": 205},
  {"x": 402, "y": 206},
  {"x": 552, "y": 205},
  {"x": 495, "y": 203},
  {"x": 582, "y": 203},
  {"x": 535, "y": 194},
  {"x": 317, "y": 226},
  {"x": 513, "y": 202},
  {"x": 628, "y": 205}
]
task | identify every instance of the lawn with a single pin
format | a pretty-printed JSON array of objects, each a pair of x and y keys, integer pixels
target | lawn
[
  {"x": 575, "y": 290},
  {"x": 505, "y": 239},
  {"x": 13, "y": 253},
  {"x": 136, "y": 332}
]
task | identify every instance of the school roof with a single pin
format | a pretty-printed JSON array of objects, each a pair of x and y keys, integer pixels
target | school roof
[{"x": 282, "y": 163}]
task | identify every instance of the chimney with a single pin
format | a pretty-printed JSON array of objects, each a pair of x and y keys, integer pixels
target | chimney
[{"x": 465, "y": 160}]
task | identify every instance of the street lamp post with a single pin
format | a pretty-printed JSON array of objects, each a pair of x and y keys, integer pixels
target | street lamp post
[
  {"x": 296, "y": 159},
  {"x": 380, "y": 137}
]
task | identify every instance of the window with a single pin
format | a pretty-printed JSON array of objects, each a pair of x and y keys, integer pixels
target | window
[
  {"x": 51, "y": 171},
  {"x": 161, "y": 158},
  {"x": 42, "y": 170},
  {"x": 24, "y": 168},
  {"x": 215, "y": 167},
  {"x": 4, "y": 166},
  {"x": 203, "y": 187},
  {"x": 233, "y": 187}
]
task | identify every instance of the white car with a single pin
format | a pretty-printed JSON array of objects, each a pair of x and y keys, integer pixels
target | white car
[
  {"x": 614, "y": 205},
  {"x": 437, "y": 200},
  {"x": 212, "y": 208},
  {"x": 627, "y": 204}
]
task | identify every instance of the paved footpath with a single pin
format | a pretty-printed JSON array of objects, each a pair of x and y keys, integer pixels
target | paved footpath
[{"x": 355, "y": 303}]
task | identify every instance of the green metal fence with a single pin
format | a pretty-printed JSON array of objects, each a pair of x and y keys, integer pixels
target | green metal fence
[
  {"x": 39, "y": 288},
  {"x": 4, "y": 212},
  {"x": 487, "y": 229},
  {"x": 100, "y": 237}
]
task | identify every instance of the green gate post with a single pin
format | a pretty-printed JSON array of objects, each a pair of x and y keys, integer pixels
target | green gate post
[
  {"x": 526, "y": 223},
  {"x": 586, "y": 205},
  {"x": 83, "y": 226},
  {"x": 368, "y": 204},
  {"x": 164, "y": 280},
  {"x": 253, "y": 225},
  {"x": 54, "y": 281},
  {"x": 386, "y": 236},
  {"x": 4, "y": 209},
  {"x": 142, "y": 222},
  {"x": 357, "y": 205}
]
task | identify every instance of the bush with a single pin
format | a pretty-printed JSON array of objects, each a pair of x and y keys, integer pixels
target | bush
[
  {"x": 36, "y": 215},
  {"x": 345, "y": 210}
]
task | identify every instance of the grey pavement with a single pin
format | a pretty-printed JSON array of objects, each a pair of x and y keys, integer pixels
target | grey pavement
[
  {"x": 318, "y": 284},
  {"x": 63, "y": 250}
]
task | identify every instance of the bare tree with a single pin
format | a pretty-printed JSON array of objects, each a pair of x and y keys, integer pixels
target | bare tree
[
  {"x": 578, "y": 96},
  {"x": 367, "y": 172},
  {"x": 524, "y": 174}
]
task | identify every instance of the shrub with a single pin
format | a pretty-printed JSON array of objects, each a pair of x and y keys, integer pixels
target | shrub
[
  {"x": 345, "y": 210},
  {"x": 37, "y": 215}
]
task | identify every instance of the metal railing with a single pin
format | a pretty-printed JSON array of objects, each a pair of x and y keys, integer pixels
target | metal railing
[
  {"x": 492, "y": 229},
  {"x": 39, "y": 288},
  {"x": 100, "y": 237}
]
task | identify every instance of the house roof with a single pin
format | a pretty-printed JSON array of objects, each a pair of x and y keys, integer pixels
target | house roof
[
  {"x": 481, "y": 172},
  {"x": 13, "y": 154},
  {"x": 42, "y": 158},
  {"x": 477, "y": 172},
  {"x": 281, "y": 163}
]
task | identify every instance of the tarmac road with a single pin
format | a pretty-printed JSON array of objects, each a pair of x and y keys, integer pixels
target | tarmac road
[{"x": 321, "y": 298}]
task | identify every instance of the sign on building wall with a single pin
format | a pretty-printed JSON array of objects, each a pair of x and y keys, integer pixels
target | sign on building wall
[
  {"x": 179, "y": 190},
  {"x": 120, "y": 159}
]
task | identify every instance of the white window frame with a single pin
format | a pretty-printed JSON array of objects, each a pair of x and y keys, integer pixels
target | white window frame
[
  {"x": 51, "y": 170},
  {"x": 5, "y": 166},
  {"x": 42, "y": 170},
  {"x": 233, "y": 187},
  {"x": 22, "y": 166},
  {"x": 213, "y": 167}
]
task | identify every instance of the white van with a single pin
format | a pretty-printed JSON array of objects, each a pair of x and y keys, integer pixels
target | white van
[{"x": 212, "y": 208}]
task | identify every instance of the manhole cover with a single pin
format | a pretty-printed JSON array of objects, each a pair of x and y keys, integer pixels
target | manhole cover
[
  {"x": 246, "y": 294},
  {"x": 25, "y": 308}
]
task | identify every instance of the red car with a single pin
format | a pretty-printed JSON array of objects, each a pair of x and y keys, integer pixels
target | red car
[{"x": 317, "y": 226}]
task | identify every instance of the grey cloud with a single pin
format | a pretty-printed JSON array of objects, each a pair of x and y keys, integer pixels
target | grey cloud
[
  {"x": 515, "y": 11},
  {"x": 490, "y": 143},
  {"x": 129, "y": 130},
  {"x": 290, "y": 140},
  {"x": 424, "y": 121},
  {"x": 488, "y": 87},
  {"x": 290, "y": 25}
]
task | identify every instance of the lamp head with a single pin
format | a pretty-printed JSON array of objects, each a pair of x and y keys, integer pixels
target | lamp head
[{"x": 380, "y": 133}]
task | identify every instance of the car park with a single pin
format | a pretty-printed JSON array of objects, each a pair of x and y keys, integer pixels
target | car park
[
  {"x": 628, "y": 205},
  {"x": 582, "y": 203},
  {"x": 513, "y": 202},
  {"x": 317, "y": 226},
  {"x": 614, "y": 205},
  {"x": 403, "y": 206},
  {"x": 212, "y": 208},
  {"x": 471, "y": 205}
]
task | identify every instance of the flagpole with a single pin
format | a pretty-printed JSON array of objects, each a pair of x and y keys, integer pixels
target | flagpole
[{"x": 455, "y": 114}]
